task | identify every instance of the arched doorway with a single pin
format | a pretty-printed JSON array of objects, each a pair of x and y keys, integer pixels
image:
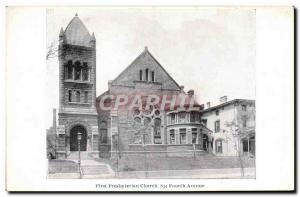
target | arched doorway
[{"x": 74, "y": 141}]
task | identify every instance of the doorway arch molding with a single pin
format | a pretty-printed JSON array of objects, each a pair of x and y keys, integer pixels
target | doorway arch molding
[{"x": 75, "y": 123}]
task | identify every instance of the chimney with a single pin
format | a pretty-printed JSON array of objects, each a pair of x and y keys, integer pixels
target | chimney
[
  {"x": 181, "y": 88},
  {"x": 202, "y": 107},
  {"x": 109, "y": 84},
  {"x": 223, "y": 99},
  {"x": 208, "y": 104},
  {"x": 190, "y": 93}
]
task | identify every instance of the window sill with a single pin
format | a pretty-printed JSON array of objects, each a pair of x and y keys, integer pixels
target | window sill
[
  {"x": 182, "y": 123},
  {"x": 77, "y": 81},
  {"x": 149, "y": 82},
  {"x": 78, "y": 103}
]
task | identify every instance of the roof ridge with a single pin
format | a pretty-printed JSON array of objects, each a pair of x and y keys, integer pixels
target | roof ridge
[
  {"x": 146, "y": 51},
  {"x": 161, "y": 67},
  {"x": 139, "y": 56},
  {"x": 76, "y": 33}
]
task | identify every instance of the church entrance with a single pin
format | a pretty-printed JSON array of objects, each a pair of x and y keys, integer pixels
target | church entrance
[{"x": 74, "y": 138}]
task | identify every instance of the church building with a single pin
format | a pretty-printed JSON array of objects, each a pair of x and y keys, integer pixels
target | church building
[{"x": 144, "y": 110}]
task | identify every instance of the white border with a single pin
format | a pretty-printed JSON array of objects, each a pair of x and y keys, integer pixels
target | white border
[{"x": 274, "y": 108}]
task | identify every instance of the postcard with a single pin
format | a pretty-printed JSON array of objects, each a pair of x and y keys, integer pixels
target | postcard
[{"x": 150, "y": 98}]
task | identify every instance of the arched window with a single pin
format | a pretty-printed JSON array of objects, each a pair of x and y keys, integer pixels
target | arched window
[
  {"x": 77, "y": 71},
  {"x": 147, "y": 71},
  {"x": 85, "y": 72},
  {"x": 141, "y": 75},
  {"x": 69, "y": 70}
]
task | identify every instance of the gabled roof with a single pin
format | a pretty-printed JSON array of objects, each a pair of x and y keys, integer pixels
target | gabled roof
[
  {"x": 145, "y": 59},
  {"x": 77, "y": 34}
]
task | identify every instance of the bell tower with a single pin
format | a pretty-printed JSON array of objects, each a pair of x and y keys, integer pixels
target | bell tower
[{"x": 77, "y": 89}]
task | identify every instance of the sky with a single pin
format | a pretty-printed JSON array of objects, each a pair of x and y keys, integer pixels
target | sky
[{"x": 210, "y": 50}]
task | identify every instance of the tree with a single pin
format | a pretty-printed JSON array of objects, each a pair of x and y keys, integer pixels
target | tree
[
  {"x": 237, "y": 132},
  {"x": 52, "y": 50}
]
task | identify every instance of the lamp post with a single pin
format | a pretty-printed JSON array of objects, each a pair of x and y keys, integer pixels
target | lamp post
[{"x": 79, "y": 135}]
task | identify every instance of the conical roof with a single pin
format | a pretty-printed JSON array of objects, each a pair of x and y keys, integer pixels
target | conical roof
[{"x": 76, "y": 33}]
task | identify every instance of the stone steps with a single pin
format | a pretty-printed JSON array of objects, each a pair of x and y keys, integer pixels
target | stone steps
[{"x": 74, "y": 155}]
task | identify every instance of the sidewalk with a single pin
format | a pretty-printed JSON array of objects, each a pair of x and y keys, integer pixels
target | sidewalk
[
  {"x": 226, "y": 173},
  {"x": 197, "y": 173}
]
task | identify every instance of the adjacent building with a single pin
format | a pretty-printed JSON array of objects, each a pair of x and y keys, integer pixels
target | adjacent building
[{"x": 233, "y": 126}]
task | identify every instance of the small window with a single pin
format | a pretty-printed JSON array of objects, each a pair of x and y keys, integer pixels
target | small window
[
  {"x": 217, "y": 126},
  {"x": 70, "y": 95},
  {"x": 217, "y": 112},
  {"x": 244, "y": 107},
  {"x": 78, "y": 96},
  {"x": 86, "y": 96},
  {"x": 147, "y": 70},
  {"x": 181, "y": 117},
  {"x": 172, "y": 118},
  {"x": 141, "y": 75},
  {"x": 152, "y": 76},
  {"x": 172, "y": 136},
  {"x": 194, "y": 117},
  {"x": 182, "y": 136}
]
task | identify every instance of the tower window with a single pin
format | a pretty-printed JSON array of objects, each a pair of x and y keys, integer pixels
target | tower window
[
  {"x": 141, "y": 75},
  {"x": 152, "y": 76},
  {"x": 70, "y": 95},
  {"x": 147, "y": 70},
  {"x": 78, "y": 96},
  {"x": 86, "y": 96},
  {"x": 77, "y": 71},
  {"x": 85, "y": 72},
  {"x": 69, "y": 70}
]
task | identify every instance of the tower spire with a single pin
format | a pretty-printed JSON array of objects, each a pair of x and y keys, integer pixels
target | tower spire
[{"x": 61, "y": 33}]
